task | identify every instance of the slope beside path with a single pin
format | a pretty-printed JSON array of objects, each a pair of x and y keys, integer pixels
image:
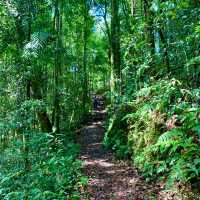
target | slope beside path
[{"x": 110, "y": 179}]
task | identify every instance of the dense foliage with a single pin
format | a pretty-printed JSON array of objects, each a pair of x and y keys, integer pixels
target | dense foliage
[
  {"x": 162, "y": 131},
  {"x": 155, "y": 118},
  {"x": 55, "y": 54},
  {"x": 43, "y": 97}
]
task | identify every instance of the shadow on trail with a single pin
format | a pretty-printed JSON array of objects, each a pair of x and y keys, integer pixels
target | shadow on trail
[{"x": 108, "y": 179}]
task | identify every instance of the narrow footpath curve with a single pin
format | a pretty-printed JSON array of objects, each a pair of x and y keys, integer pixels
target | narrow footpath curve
[{"x": 109, "y": 179}]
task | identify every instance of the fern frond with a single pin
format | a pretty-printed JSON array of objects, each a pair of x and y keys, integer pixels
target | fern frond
[{"x": 172, "y": 134}]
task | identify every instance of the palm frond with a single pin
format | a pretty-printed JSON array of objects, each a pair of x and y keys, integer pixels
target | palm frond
[{"x": 36, "y": 45}]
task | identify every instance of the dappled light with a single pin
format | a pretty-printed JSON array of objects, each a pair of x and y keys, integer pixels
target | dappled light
[
  {"x": 99, "y": 99},
  {"x": 108, "y": 178}
]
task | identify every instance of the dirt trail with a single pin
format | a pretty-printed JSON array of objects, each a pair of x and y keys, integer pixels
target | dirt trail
[{"x": 109, "y": 179}]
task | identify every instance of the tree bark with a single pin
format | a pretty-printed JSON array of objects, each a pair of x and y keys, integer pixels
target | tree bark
[
  {"x": 115, "y": 50},
  {"x": 58, "y": 64},
  {"x": 165, "y": 51},
  {"x": 85, "y": 77},
  {"x": 149, "y": 27},
  {"x": 133, "y": 7},
  {"x": 45, "y": 123}
]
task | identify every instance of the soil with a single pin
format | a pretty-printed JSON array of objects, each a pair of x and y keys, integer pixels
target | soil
[{"x": 110, "y": 179}]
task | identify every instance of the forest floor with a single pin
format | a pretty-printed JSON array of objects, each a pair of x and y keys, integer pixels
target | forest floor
[{"x": 110, "y": 179}]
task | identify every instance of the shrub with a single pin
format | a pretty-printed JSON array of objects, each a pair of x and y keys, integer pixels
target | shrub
[{"x": 162, "y": 132}]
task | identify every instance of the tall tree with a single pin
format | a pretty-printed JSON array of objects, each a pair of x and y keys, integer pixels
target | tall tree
[
  {"x": 115, "y": 49},
  {"x": 149, "y": 29},
  {"x": 58, "y": 63},
  {"x": 85, "y": 43},
  {"x": 133, "y": 7}
]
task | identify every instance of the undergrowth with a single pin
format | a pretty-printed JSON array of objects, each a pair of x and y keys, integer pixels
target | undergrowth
[
  {"x": 36, "y": 165},
  {"x": 160, "y": 131},
  {"x": 52, "y": 175}
]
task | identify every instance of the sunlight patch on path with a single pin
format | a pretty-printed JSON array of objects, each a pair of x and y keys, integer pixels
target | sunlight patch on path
[{"x": 108, "y": 179}]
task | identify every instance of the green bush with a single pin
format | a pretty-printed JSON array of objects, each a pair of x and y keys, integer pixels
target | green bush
[
  {"x": 37, "y": 165},
  {"x": 116, "y": 135},
  {"x": 162, "y": 132},
  {"x": 53, "y": 175}
]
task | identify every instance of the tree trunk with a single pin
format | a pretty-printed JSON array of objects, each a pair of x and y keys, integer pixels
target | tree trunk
[
  {"x": 58, "y": 64},
  {"x": 45, "y": 123},
  {"x": 115, "y": 50},
  {"x": 150, "y": 40},
  {"x": 108, "y": 32},
  {"x": 149, "y": 27},
  {"x": 85, "y": 78},
  {"x": 133, "y": 7},
  {"x": 165, "y": 51}
]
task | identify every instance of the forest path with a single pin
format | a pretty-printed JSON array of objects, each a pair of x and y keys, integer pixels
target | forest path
[{"x": 109, "y": 179}]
